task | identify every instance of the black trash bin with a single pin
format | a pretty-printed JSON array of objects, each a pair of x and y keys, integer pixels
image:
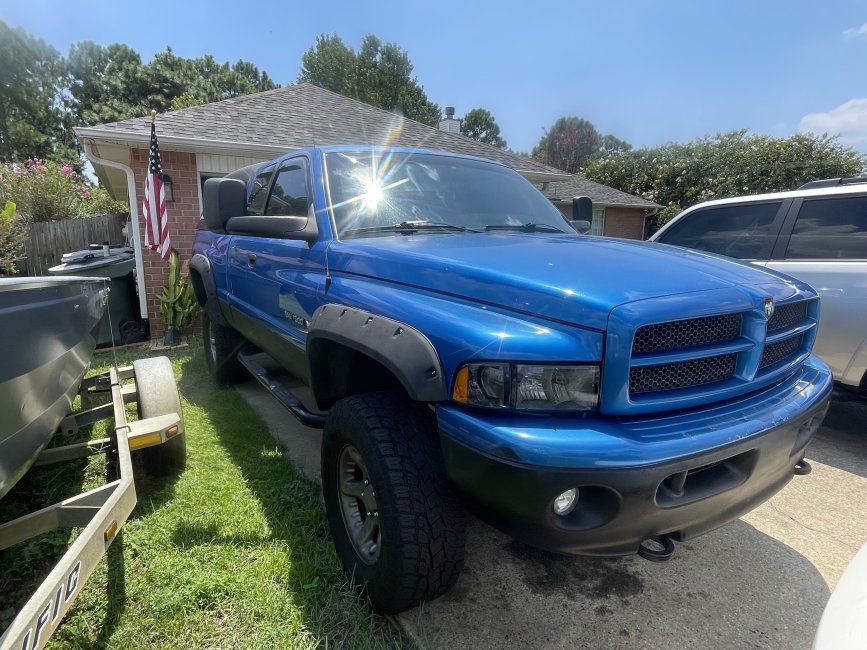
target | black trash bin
[{"x": 117, "y": 268}]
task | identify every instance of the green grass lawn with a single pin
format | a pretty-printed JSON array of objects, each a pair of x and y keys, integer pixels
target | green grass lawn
[{"x": 233, "y": 553}]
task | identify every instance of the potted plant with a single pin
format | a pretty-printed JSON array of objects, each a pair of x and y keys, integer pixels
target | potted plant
[{"x": 177, "y": 302}]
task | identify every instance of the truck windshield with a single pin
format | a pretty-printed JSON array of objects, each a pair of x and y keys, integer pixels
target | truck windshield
[{"x": 378, "y": 192}]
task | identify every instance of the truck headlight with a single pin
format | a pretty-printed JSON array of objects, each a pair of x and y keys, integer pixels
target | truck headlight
[
  {"x": 528, "y": 387},
  {"x": 557, "y": 388}
]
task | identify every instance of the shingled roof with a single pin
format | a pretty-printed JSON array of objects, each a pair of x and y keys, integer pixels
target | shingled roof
[
  {"x": 303, "y": 115},
  {"x": 577, "y": 185}
]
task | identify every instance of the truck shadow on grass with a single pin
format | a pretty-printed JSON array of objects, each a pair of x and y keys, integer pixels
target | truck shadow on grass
[{"x": 312, "y": 579}]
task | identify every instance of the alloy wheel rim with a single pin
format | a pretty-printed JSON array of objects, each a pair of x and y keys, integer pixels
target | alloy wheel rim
[{"x": 358, "y": 505}]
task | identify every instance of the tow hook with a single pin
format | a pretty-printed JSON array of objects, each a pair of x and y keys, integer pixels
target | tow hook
[
  {"x": 802, "y": 468},
  {"x": 658, "y": 548}
]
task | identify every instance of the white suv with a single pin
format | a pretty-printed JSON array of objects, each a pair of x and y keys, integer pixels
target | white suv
[{"x": 818, "y": 234}]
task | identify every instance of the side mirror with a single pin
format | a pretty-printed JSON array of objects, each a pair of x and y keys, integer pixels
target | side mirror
[
  {"x": 580, "y": 226},
  {"x": 582, "y": 214},
  {"x": 222, "y": 199},
  {"x": 279, "y": 227}
]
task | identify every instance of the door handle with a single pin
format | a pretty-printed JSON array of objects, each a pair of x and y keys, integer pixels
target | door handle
[{"x": 251, "y": 259}]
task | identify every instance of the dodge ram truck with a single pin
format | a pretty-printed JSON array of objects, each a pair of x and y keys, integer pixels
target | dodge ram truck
[{"x": 466, "y": 347}]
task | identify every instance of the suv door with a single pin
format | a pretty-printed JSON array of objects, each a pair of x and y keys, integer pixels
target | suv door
[
  {"x": 824, "y": 243},
  {"x": 275, "y": 283}
]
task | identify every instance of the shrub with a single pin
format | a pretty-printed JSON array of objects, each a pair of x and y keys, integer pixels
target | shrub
[
  {"x": 48, "y": 191},
  {"x": 11, "y": 239}
]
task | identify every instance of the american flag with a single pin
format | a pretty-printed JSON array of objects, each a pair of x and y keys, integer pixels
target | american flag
[{"x": 154, "y": 205}]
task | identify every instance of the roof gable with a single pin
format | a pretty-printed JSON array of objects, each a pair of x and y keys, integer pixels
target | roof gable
[{"x": 304, "y": 115}]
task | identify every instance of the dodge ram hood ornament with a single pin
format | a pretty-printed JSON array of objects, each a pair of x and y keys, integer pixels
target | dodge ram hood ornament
[{"x": 769, "y": 307}]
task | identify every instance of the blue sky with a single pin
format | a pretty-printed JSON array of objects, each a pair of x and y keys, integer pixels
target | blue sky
[{"x": 646, "y": 71}]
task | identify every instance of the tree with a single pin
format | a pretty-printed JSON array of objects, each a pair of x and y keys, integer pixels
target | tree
[
  {"x": 611, "y": 145},
  {"x": 107, "y": 84},
  {"x": 568, "y": 144},
  {"x": 31, "y": 116},
  {"x": 378, "y": 74},
  {"x": 737, "y": 163},
  {"x": 185, "y": 100},
  {"x": 480, "y": 125}
]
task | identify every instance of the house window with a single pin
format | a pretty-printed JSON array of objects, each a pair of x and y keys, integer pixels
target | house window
[{"x": 598, "y": 223}]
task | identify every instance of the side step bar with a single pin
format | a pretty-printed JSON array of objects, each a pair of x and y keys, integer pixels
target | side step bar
[{"x": 281, "y": 393}]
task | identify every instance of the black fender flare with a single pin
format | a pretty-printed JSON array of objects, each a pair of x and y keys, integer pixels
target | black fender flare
[
  {"x": 404, "y": 350},
  {"x": 206, "y": 289}
]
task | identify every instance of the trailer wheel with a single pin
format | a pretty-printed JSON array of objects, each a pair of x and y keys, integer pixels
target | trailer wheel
[
  {"x": 158, "y": 395},
  {"x": 397, "y": 525},
  {"x": 222, "y": 345}
]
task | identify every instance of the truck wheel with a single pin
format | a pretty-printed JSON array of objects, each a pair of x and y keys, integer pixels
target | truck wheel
[
  {"x": 222, "y": 345},
  {"x": 397, "y": 525},
  {"x": 158, "y": 395}
]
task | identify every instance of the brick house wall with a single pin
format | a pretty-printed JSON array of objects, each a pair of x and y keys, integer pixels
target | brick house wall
[
  {"x": 627, "y": 223},
  {"x": 183, "y": 215}
]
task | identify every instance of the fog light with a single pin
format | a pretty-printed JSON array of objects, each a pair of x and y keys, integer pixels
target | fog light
[{"x": 565, "y": 503}]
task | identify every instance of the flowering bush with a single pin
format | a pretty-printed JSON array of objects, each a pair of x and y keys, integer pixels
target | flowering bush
[
  {"x": 48, "y": 191},
  {"x": 11, "y": 239}
]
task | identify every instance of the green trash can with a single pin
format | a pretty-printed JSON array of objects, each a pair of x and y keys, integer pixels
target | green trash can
[{"x": 121, "y": 296}]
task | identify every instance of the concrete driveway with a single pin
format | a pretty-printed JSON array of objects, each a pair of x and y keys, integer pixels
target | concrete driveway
[{"x": 759, "y": 582}]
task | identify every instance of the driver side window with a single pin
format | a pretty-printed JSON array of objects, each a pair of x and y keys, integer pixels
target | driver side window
[{"x": 289, "y": 195}]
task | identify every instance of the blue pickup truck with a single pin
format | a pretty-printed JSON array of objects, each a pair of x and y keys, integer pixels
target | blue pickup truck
[{"x": 469, "y": 348}]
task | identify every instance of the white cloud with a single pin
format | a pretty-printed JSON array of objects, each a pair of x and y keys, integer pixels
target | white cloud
[
  {"x": 848, "y": 120},
  {"x": 852, "y": 32}
]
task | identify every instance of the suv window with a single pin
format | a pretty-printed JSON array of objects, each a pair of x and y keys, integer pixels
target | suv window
[
  {"x": 734, "y": 230},
  {"x": 259, "y": 195},
  {"x": 289, "y": 196},
  {"x": 830, "y": 229}
]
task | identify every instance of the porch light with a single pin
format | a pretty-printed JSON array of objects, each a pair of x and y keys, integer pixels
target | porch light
[{"x": 168, "y": 187}]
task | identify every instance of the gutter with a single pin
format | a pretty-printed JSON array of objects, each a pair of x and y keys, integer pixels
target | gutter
[
  {"x": 133, "y": 215},
  {"x": 171, "y": 142}
]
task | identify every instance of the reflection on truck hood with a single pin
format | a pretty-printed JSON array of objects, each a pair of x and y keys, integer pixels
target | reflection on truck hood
[{"x": 567, "y": 278}]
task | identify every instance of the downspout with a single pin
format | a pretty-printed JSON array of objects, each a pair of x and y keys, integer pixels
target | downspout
[
  {"x": 133, "y": 215},
  {"x": 652, "y": 212}
]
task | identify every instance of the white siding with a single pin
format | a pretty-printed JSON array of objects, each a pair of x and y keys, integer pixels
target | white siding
[{"x": 212, "y": 163}]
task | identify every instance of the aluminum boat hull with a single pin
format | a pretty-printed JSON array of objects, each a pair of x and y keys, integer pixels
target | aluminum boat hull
[{"x": 47, "y": 338}]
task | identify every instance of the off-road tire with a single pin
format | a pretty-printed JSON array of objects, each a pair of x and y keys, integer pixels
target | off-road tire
[
  {"x": 222, "y": 345},
  {"x": 158, "y": 395},
  {"x": 422, "y": 526}
]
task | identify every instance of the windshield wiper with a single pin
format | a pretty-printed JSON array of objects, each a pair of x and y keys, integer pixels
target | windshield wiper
[
  {"x": 410, "y": 227},
  {"x": 526, "y": 227}
]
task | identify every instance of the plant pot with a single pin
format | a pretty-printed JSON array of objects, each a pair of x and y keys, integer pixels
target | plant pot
[{"x": 172, "y": 337}]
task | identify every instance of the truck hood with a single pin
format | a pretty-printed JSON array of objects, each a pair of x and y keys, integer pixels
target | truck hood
[{"x": 572, "y": 279}]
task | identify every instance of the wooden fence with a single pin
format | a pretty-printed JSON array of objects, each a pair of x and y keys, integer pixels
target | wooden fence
[{"x": 47, "y": 242}]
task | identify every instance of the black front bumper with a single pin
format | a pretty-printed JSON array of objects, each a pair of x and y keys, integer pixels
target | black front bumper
[{"x": 618, "y": 508}]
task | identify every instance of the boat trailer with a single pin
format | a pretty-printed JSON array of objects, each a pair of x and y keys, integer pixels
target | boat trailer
[{"x": 157, "y": 436}]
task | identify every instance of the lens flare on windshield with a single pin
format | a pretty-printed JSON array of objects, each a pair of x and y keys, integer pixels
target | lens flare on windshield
[{"x": 372, "y": 194}]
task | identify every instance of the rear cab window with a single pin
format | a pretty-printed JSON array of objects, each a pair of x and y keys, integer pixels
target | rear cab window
[
  {"x": 259, "y": 195},
  {"x": 743, "y": 230}
]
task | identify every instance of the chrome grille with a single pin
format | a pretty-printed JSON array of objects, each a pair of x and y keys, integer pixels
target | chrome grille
[
  {"x": 788, "y": 315},
  {"x": 682, "y": 374},
  {"x": 679, "y": 334},
  {"x": 776, "y": 352}
]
